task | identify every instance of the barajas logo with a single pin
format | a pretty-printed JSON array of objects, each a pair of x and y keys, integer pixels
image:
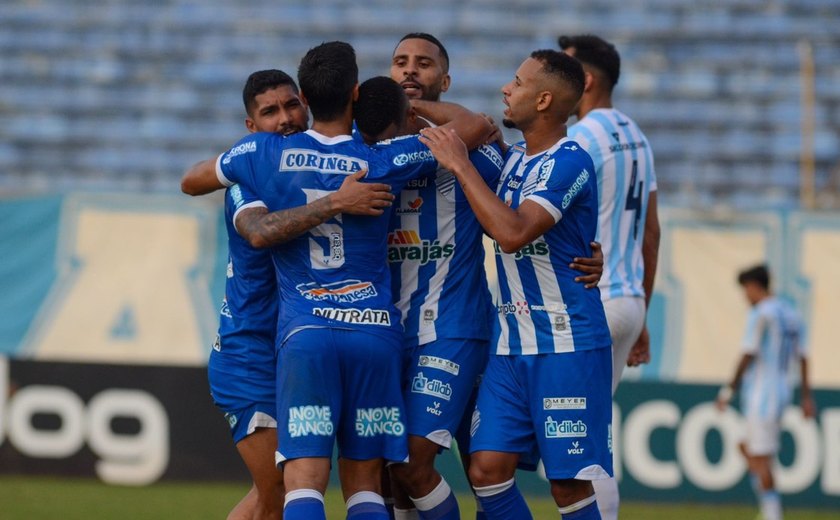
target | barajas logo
[{"x": 407, "y": 245}]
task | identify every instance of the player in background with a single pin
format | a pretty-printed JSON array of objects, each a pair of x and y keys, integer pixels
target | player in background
[
  {"x": 241, "y": 368},
  {"x": 339, "y": 328},
  {"x": 628, "y": 225},
  {"x": 772, "y": 341},
  {"x": 547, "y": 387},
  {"x": 437, "y": 266}
]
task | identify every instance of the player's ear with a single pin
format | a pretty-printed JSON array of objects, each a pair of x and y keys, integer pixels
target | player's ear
[
  {"x": 588, "y": 81},
  {"x": 250, "y": 125},
  {"x": 303, "y": 100},
  {"x": 444, "y": 84},
  {"x": 544, "y": 99},
  {"x": 356, "y": 92}
]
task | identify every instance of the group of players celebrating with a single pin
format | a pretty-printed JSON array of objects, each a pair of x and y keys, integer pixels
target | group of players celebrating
[{"x": 357, "y": 308}]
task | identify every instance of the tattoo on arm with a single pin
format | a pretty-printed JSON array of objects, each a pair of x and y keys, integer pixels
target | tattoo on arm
[{"x": 265, "y": 229}]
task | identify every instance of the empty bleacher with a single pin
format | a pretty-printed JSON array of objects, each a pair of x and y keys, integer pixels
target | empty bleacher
[{"x": 106, "y": 94}]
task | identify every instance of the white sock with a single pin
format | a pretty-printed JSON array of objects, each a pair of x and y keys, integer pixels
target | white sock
[
  {"x": 606, "y": 491},
  {"x": 364, "y": 496},
  {"x": 495, "y": 489},
  {"x": 771, "y": 505},
  {"x": 406, "y": 514},
  {"x": 304, "y": 493},
  {"x": 577, "y": 506},
  {"x": 433, "y": 499}
]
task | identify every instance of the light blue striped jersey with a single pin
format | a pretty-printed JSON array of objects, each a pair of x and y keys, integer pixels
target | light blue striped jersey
[
  {"x": 334, "y": 275},
  {"x": 541, "y": 308},
  {"x": 248, "y": 317},
  {"x": 774, "y": 336},
  {"x": 437, "y": 258},
  {"x": 624, "y": 167}
]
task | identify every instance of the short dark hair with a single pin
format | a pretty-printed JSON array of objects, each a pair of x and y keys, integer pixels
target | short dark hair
[
  {"x": 758, "y": 274},
  {"x": 381, "y": 102},
  {"x": 595, "y": 51},
  {"x": 563, "y": 67},
  {"x": 262, "y": 80},
  {"x": 431, "y": 39},
  {"x": 327, "y": 75}
]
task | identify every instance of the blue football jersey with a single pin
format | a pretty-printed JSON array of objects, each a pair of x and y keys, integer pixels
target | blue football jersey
[
  {"x": 334, "y": 275},
  {"x": 248, "y": 318},
  {"x": 541, "y": 308},
  {"x": 437, "y": 258}
]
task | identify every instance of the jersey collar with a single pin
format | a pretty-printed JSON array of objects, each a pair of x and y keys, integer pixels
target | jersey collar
[{"x": 321, "y": 138}]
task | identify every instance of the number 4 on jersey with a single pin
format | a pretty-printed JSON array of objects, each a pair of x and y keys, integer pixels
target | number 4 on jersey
[{"x": 634, "y": 199}]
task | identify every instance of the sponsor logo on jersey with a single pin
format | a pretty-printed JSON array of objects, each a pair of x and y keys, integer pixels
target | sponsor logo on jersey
[
  {"x": 564, "y": 403},
  {"x": 434, "y": 387},
  {"x": 575, "y": 449},
  {"x": 519, "y": 307},
  {"x": 578, "y": 185},
  {"x": 301, "y": 159},
  {"x": 435, "y": 410},
  {"x": 358, "y": 316},
  {"x": 627, "y": 146},
  {"x": 413, "y": 157},
  {"x": 250, "y": 146},
  {"x": 310, "y": 420},
  {"x": 236, "y": 195},
  {"x": 549, "y": 307},
  {"x": 475, "y": 422},
  {"x": 416, "y": 184},
  {"x": 406, "y": 245},
  {"x": 345, "y": 291},
  {"x": 428, "y": 315},
  {"x": 379, "y": 421},
  {"x": 230, "y": 268},
  {"x": 492, "y": 155},
  {"x": 225, "y": 310},
  {"x": 231, "y": 419},
  {"x": 533, "y": 249},
  {"x": 412, "y": 207},
  {"x": 559, "y": 430},
  {"x": 439, "y": 363},
  {"x": 217, "y": 344},
  {"x": 545, "y": 173}
]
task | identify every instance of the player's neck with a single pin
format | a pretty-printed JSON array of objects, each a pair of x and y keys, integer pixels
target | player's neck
[
  {"x": 342, "y": 125},
  {"x": 592, "y": 102},
  {"x": 541, "y": 137}
]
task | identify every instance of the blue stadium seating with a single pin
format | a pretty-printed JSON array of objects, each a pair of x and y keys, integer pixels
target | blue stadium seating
[{"x": 124, "y": 95}]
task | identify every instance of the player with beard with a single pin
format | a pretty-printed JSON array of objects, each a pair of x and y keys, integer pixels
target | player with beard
[{"x": 438, "y": 294}]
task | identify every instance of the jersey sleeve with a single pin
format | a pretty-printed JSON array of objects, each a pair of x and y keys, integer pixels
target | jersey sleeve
[
  {"x": 561, "y": 182},
  {"x": 752, "y": 336},
  {"x": 403, "y": 159},
  {"x": 488, "y": 161},
  {"x": 242, "y": 198},
  {"x": 239, "y": 164}
]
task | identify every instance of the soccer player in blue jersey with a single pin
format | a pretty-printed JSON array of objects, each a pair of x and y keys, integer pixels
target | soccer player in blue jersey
[
  {"x": 241, "y": 368},
  {"x": 546, "y": 389},
  {"x": 628, "y": 225},
  {"x": 340, "y": 334},
  {"x": 772, "y": 341}
]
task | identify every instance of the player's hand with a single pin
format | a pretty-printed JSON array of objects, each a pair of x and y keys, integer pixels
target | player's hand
[
  {"x": 362, "y": 198},
  {"x": 449, "y": 150},
  {"x": 593, "y": 267},
  {"x": 809, "y": 408},
  {"x": 495, "y": 136},
  {"x": 723, "y": 398},
  {"x": 640, "y": 353}
]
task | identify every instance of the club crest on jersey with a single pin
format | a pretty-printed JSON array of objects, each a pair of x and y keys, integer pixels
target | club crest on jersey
[
  {"x": 300, "y": 159},
  {"x": 345, "y": 291},
  {"x": 434, "y": 387},
  {"x": 250, "y": 146},
  {"x": 559, "y": 430},
  {"x": 357, "y": 316},
  {"x": 405, "y": 244}
]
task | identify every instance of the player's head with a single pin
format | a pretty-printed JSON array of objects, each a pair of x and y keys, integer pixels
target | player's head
[
  {"x": 328, "y": 78},
  {"x": 420, "y": 65},
  {"x": 756, "y": 283},
  {"x": 382, "y": 110},
  {"x": 273, "y": 104},
  {"x": 600, "y": 59},
  {"x": 546, "y": 88}
]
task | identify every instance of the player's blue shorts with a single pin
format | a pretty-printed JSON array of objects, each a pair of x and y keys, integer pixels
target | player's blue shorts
[
  {"x": 560, "y": 404},
  {"x": 341, "y": 385},
  {"x": 247, "y": 402},
  {"x": 440, "y": 379}
]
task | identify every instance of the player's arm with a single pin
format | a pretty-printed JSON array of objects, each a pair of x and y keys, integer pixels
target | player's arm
[
  {"x": 474, "y": 129},
  {"x": 806, "y": 399},
  {"x": 726, "y": 392},
  {"x": 640, "y": 353},
  {"x": 201, "y": 179},
  {"x": 511, "y": 229},
  {"x": 265, "y": 229},
  {"x": 592, "y": 267}
]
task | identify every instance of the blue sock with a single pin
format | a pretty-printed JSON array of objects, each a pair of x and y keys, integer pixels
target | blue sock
[
  {"x": 586, "y": 509},
  {"x": 366, "y": 505},
  {"x": 479, "y": 512},
  {"x": 304, "y": 504},
  {"x": 503, "y": 501},
  {"x": 440, "y": 504}
]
